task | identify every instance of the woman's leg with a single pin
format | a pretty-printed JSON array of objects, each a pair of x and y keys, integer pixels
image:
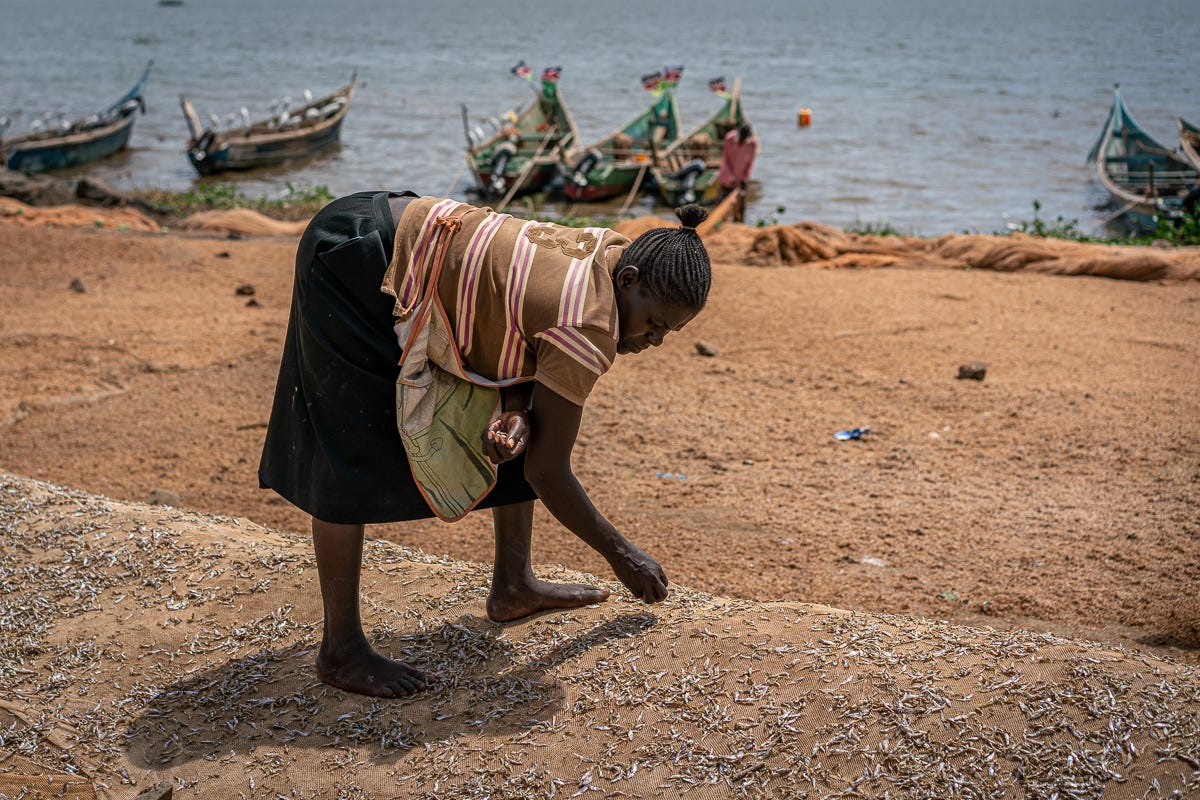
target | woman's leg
[
  {"x": 346, "y": 659},
  {"x": 516, "y": 592}
]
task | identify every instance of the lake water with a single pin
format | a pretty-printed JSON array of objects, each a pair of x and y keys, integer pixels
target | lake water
[{"x": 932, "y": 116}]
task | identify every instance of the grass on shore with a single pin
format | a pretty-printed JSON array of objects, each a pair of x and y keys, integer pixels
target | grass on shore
[
  {"x": 297, "y": 203},
  {"x": 1183, "y": 232}
]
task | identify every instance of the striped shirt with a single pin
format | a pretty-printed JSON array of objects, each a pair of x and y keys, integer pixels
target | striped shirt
[{"x": 526, "y": 299}]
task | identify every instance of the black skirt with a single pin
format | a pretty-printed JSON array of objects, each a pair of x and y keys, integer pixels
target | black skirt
[{"x": 332, "y": 447}]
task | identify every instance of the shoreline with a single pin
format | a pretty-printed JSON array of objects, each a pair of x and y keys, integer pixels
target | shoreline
[{"x": 300, "y": 203}]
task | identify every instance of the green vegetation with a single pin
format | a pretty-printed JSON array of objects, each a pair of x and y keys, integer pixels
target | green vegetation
[
  {"x": 296, "y": 203},
  {"x": 1060, "y": 229},
  {"x": 1183, "y": 232},
  {"x": 772, "y": 219},
  {"x": 874, "y": 229}
]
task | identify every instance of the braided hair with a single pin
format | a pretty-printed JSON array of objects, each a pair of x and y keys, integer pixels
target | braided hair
[{"x": 672, "y": 262}]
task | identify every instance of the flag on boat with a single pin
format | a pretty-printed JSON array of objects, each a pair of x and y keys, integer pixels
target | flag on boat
[
  {"x": 718, "y": 85},
  {"x": 671, "y": 77},
  {"x": 552, "y": 74},
  {"x": 650, "y": 82},
  {"x": 522, "y": 70}
]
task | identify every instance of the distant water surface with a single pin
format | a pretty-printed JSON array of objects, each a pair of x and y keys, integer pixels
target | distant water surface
[{"x": 931, "y": 116}]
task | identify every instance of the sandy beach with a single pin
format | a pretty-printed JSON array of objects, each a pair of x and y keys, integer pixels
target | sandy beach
[
  {"x": 993, "y": 590},
  {"x": 1058, "y": 494}
]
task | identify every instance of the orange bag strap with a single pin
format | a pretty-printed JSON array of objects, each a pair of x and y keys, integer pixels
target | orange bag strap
[{"x": 444, "y": 228}]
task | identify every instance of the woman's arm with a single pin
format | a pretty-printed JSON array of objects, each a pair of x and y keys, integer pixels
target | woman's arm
[
  {"x": 517, "y": 397},
  {"x": 555, "y": 421}
]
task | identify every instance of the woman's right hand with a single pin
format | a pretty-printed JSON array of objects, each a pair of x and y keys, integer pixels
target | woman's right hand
[
  {"x": 640, "y": 573},
  {"x": 548, "y": 470}
]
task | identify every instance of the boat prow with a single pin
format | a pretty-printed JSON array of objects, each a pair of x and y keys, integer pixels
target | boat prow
[
  {"x": 686, "y": 171},
  {"x": 523, "y": 155}
]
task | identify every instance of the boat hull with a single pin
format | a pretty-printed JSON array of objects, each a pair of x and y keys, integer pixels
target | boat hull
[
  {"x": 618, "y": 181},
  {"x": 314, "y": 129},
  {"x": 235, "y": 156},
  {"x": 84, "y": 141},
  {"x": 536, "y": 180},
  {"x": 705, "y": 190},
  {"x": 34, "y": 157},
  {"x": 616, "y": 163}
]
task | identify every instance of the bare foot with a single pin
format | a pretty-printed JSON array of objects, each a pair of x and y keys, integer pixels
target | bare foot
[
  {"x": 509, "y": 603},
  {"x": 363, "y": 670}
]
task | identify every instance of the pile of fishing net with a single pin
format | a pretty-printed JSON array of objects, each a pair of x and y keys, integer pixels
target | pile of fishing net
[
  {"x": 240, "y": 220},
  {"x": 826, "y": 246},
  {"x": 822, "y": 245},
  {"x": 74, "y": 216}
]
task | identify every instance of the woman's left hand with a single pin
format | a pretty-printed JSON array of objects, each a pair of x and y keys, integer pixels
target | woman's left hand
[{"x": 505, "y": 438}]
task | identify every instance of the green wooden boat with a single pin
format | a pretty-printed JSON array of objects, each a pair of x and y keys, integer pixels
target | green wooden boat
[
  {"x": 686, "y": 170},
  {"x": 616, "y": 163},
  {"x": 524, "y": 152},
  {"x": 1146, "y": 180}
]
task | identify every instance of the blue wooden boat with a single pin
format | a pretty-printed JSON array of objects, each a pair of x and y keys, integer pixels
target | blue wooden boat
[
  {"x": 86, "y": 139},
  {"x": 1146, "y": 180},
  {"x": 285, "y": 136}
]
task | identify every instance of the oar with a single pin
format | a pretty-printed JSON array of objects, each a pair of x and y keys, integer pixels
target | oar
[
  {"x": 457, "y": 175},
  {"x": 525, "y": 172},
  {"x": 636, "y": 185},
  {"x": 719, "y": 212},
  {"x": 1119, "y": 211}
]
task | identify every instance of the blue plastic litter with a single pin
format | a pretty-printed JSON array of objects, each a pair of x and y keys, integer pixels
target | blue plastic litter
[
  {"x": 671, "y": 475},
  {"x": 853, "y": 433}
]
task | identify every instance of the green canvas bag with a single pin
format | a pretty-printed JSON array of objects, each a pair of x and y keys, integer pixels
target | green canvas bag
[{"x": 442, "y": 407}]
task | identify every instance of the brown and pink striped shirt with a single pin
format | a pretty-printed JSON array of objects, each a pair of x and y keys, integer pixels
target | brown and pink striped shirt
[{"x": 527, "y": 300}]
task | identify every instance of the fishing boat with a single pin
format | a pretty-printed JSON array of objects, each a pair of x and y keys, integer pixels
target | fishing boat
[
  {"x": 1189, "y": 141},
  {"x": 1146, "y": 180},
  {"x": 617, "y": 163},
  {"x": 686, "y": 171},
  {"x": 523, "y": 153},
  {"x": 70, "y": 144},
  {"x": 286, "y": 135}
]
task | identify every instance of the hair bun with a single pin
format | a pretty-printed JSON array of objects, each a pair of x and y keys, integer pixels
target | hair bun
[{"x": 691, "y": 215}]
